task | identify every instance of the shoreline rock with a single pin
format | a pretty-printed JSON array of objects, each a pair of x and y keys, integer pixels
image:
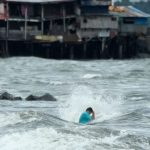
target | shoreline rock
[
  {"x": 8, "y": 96},
  {"x": 45, "y": 97}
]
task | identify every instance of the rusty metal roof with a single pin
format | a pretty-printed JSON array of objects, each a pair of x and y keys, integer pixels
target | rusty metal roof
[
  {"x": 127, "y": 11},
  {"x": 39, "y": 1}
]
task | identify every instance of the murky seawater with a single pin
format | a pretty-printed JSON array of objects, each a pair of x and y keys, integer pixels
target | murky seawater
[{"x": 119, "y": 92}]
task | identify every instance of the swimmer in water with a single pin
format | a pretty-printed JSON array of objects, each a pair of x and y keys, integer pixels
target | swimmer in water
[{"x": 87, "y": 116}]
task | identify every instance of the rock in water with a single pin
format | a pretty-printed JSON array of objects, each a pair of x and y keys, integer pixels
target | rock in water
[
  {"x": 31, "y": 98},
  {"x": 45, "y": 97},
  {"x": 7, "y": 96},
  {"x": 18, "y": 98}
]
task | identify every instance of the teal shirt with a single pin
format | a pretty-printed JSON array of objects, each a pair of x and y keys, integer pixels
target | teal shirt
[{"x": 85, "y": 118}]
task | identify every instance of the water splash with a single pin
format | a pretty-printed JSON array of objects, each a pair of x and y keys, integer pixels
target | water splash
[{"x": 106, "y": 105}]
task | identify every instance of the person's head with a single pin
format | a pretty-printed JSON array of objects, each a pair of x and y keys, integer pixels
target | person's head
[{"x": 89, "y": 110}]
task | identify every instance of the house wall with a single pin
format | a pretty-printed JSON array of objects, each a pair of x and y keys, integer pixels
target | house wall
[
  {"x": 56, "y": 10},
  {"x": 17, "y": 10},
  {"x": 94, "y": 9},
  {"x": 2, "y": 11},
  {"x": 2, "y": 8},
  {"x": 52, "y": 10},
  {"x": 134, "y": 25},
  {"x": 148, "y": 31},
  {"x": 88, "y": 33},
  {"x": 95, "y": 2},
  {"x": 132, "y": 28},
  {"x": 98, "y": 22},
  {"x": 148, "y": 43},
  {"x": 91, "y": 33}
]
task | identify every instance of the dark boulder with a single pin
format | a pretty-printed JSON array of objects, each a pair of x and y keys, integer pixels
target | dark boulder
[
  {"x": 45, "y": 97},
  {"x": 7, "y": 96},
  {"x": 18, "y": 98},
  {"x": 31, "y": 98}
]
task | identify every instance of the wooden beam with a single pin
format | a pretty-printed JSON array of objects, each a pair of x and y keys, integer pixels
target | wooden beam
[{"x": 42, "y": 19}]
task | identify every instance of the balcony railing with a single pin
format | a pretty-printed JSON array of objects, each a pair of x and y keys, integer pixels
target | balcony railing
[{"x": 18, "y": 34}]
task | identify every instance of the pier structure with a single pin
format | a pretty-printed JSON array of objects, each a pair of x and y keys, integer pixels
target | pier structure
[
  {"x": 27, "y": 24},
  {"x": 133, "y": 30},
  {"x": 96, "y": 24},
  {"x": 69, "y": 29}
]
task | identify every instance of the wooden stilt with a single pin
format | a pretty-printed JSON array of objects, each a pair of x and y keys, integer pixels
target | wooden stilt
[
  {"x": 42, "y": 19},
  {"x": 120, "y": 51},
  {"x": 103, "y": 44},
  {"x": 64, "y": 18},
  {"x": 50, "y": 26},
  {"x": 6, "y": 53},
  {"x": 84, "y": 48},
  {"x": 72, "y": 52},
  {"x": 61, "y": 51},
  {"x": 25, "y": 24}
]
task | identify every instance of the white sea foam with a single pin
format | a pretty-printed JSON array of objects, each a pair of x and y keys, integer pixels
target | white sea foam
[
  {"x": 44, "y": 138},
  {"x": 56, "y": 83},
  {"x": 106, "y": 99},
  {"x": 91, "y": 76},
  {"x": 105, "y": 105},
  {"x": 49, "y": 138},
  {"x": 11, "y": 118}
]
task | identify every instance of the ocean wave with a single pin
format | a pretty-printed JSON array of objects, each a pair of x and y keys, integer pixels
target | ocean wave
[
  {"x": 12, "y": 118},
  {"x": 81, "y": 138},
  {"x": 56, "y": 83},
  {"x": 91, "y": 76}
]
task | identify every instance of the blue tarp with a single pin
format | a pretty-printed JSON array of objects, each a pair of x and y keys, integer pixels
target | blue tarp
[{"x": 141, "y": 21}]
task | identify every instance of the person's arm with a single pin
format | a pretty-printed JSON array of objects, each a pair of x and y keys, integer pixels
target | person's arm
[{"x": 93, "y": 115}]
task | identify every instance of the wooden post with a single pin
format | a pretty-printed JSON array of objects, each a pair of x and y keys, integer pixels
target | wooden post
[
  {"x": 103, "y": 44},
  {"x": 7, "y": 30},
  {"x": 64, "y": 18},
  {"x": 61, "y": 51},
  {"x": 7, "y": 21},
  {"x": 51, "y": 25},
  {"x": 72, "y": 51},
  {"x": 120, "y": 51},
  {"x": 25, "y": 24},
  {"x": 42, "y": 19},
  {"x": 84, "y": 49}
]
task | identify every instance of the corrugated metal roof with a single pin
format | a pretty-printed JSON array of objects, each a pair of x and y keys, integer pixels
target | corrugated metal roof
[
  {"x": 39, "y": 1},
  {"x": 127, "y": 11}
]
